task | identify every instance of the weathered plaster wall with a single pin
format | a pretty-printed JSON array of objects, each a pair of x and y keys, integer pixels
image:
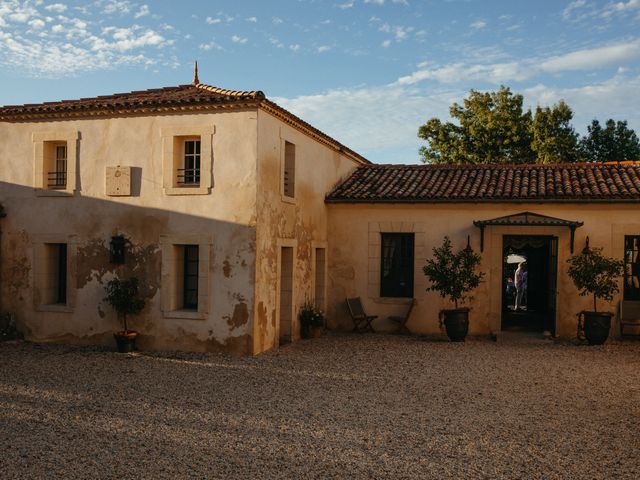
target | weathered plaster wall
[
  {"x": 227, "y": 216},
  {"x": 301, "y": 223},
  {"x": 354, "y": 257}
]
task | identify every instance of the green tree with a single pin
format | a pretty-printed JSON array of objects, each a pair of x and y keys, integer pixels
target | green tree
[
  {"x": 553, "y": 138},
  {"x": 615, "y": 142},
  {"x": 492, "y": 128}
]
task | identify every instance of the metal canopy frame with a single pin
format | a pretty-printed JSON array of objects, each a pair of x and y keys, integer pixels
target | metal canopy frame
[{"x": 527, "y": 219}]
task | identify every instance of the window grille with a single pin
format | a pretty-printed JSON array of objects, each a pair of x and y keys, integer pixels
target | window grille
[
  {"x": 190, "y": 174},
  {"x": 190, "y": 289},
  {"x": 58, "y": 178}
]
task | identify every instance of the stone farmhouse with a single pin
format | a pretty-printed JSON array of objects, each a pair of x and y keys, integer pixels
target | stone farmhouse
[{"x": 233, "y": 212}]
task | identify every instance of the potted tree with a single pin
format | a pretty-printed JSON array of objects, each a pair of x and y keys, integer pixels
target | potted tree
[
  {"x": 124, "y": 297},
  {"x": 311, "y": 320},
  {"x": 452, "y": 275},
  {"x": 594, "y": 274}
]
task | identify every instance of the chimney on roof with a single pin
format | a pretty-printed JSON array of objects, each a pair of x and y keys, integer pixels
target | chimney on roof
[{"x": 196, "y": 80}]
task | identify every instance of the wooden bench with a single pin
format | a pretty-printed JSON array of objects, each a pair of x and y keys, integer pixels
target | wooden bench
[
  {"x": 402, "y": 321},
  {"x": 361, "y": 321},
  {"x": 629, "y": 314}
]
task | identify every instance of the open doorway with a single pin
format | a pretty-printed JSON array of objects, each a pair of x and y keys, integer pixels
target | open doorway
[{"x": 531, "y": 261}]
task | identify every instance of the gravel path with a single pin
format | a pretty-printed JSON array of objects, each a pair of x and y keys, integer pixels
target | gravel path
[{"x": 370, "y": 406}]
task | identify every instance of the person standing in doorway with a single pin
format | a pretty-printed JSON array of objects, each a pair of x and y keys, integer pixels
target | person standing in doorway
[{"x": 520, "y": 285}]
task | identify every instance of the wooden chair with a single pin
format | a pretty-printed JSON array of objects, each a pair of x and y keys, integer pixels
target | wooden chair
[
  {"x": 629, "y": 315},
  {"x": 361, "y": 321},
  {"x": 402, "y": 321}
]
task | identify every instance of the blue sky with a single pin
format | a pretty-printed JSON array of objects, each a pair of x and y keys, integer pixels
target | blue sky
[{"x": 367, "y": 72}]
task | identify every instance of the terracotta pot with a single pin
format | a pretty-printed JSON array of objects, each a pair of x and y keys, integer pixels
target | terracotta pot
[
  {"x": 597, "y": 326},
  {"x": 456, "y": 323},
  {"x": 126, "y": 341}
]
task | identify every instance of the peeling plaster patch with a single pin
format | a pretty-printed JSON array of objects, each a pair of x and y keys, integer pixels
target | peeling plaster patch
[
  {"x": 18, "y": 267},
  {"x": 141, "y": 261},
  {"x": 101, "y": 312},
  {"x": 240, "y": 316},
  {"x": 226, "y": 268},
  {"x": 190, "y": 342},
  {"x": 239, "y": 297}
]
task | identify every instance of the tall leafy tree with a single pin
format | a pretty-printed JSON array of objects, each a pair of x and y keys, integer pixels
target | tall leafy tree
[
  {"x": 492, "y": 128},
  {"x": 553, "y": 138},
  {"x": 615, "y": 142}
]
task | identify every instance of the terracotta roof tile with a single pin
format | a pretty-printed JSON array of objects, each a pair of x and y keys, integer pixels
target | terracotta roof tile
[
  {"x": 595, "y": 182},
  {"x": 166, "y": 100},
  {"x": 157, "y": 97}
]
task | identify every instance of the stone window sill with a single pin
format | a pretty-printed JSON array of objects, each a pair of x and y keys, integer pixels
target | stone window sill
[{"x": 185, "y": 315}]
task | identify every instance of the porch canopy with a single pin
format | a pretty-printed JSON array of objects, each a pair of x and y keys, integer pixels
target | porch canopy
[{"x": 527, "y": 219}]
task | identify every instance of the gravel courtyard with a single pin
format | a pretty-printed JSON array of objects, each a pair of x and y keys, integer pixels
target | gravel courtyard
[{"x": 370, "y": 406}]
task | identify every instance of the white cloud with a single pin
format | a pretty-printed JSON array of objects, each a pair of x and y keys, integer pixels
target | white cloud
[
  {"x": 399, "y": 32},
  {"x": 117, "y": 6},
  {"x": 43, "y": 46},
  {"x": 277, "y": 20},
  {"x": 386, "y": 43},
  {"x": 274, "y": 41},
  {"x": 478, "y": 24},
  {"x": 56, "y": 7},
  {"x": 613, "y": 98},
  {"x": 36, "y": 23},
  {"x": 501, "y": 72},
  {"x": 240, "y": 40},
  {"x": 213, "y": 21},
  {"x": 376, "y": 2},
  {"x": 209, "y": 46},
  {"x": 579, "y": 10},
  {"x": 614, "y": 8},
  {"x": 323, "y": 48},
  {"x": 143, "y": 12},
  {"x": 572, "y": 8},
  {"x": 352, "y": 116},
  {"x": 294, "y": 48},
  {"x": 252, "y": 19},
  {"x": 593, "y": 58},
  {"x": 345, "y": 5}
]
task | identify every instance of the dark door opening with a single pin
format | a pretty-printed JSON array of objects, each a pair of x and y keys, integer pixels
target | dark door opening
[{"x": 536, "y": 310}]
